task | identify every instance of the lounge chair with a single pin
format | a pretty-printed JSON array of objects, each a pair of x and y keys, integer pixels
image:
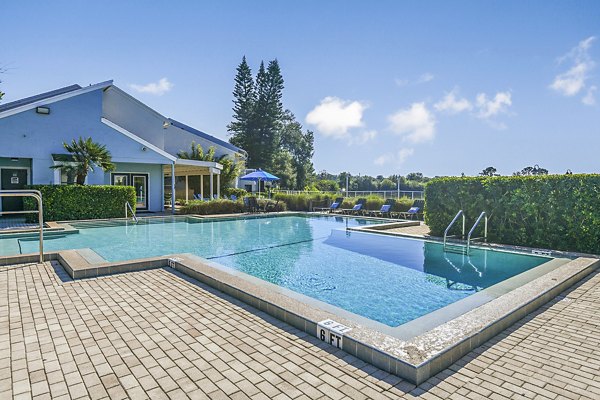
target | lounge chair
[
  {"x": 334, "y": 206},
  {"x": 415, "y": 211},
  {"x": 386, "y": 209},
  {"x": 357, "y": 209}
]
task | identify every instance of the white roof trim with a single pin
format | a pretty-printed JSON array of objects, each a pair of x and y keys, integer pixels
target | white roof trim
[
  {"x": 198, "y": 163},
  {"x": 138, "y": 139},
  {"x": 54, "y": 99}
]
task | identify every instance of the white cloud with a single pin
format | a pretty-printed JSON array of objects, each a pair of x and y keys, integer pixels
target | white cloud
[
  {"x": 494, "y": 106},
  {"x": 453, "y": 105},
  {"x": 363, "y": 137},
  {"x": 423, "y": 78},
  {"x": 573, "y": 81},
  {"x": 334, "y": 116},
  {"x": 589, "y": 99},
  {"x": 426, "y": 77},
  {"x": 397, "y": 158},
  {"x": 156, "y": 88},
  {"x": 416, "y": 124}
]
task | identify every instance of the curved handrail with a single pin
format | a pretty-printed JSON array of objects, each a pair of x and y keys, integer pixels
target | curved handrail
[
  {"x": 483, "y": 214},
  {"x": 36, "y": 194},
  {"x": 128, "y": 207},
  {"x": 458, "y": 214}
]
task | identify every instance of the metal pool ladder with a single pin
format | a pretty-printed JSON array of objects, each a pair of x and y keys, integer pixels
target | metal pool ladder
[
  {"x": 128, "y": 209},
  {"x": 36, "y": 194},
  {"x": 462, "y": 249}
]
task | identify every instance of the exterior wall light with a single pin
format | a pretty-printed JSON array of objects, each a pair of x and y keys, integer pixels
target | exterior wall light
[{"x": 42, "y": 110}]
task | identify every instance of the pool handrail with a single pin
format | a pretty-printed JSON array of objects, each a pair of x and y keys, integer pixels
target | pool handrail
[
  {"x": 458, "y": 214},
  {"x": 130, "y": 209},
  {"x": 484, "y": 237},
  {"x": 36, "y": 194}
]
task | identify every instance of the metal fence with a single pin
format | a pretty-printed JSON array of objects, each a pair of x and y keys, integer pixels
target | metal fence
[{"x": 385, "y": 194}]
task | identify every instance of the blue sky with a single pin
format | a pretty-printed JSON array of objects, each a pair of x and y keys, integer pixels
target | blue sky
[{"x": 388, "y": 87}]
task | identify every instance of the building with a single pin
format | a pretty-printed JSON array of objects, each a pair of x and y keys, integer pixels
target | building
[{"x": 143, "y": 144}]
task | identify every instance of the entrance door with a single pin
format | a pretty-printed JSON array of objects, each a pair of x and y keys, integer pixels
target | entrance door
[
  {"x": 140, "y": 183},
  {"x": 12, "y": 179}
]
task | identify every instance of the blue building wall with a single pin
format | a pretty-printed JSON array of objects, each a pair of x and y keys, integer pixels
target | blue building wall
[{"x": 29, "y": 135}]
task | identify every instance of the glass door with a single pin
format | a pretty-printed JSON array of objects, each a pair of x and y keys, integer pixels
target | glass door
[{"x": 140, "y": 183}]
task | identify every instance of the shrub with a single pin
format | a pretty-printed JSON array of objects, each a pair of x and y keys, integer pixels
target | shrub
[
  {"x": 304, "y": 201},
  {"x": 553, "y": 211},
  {"x": 220, "y": 206},
  {"x": 72, "y": 202},
  {"x": 239, "y": 193}
]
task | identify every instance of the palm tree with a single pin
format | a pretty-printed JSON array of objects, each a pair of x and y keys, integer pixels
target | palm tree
[
  {"x": 86, "y": 154},
  {"x": 230, "y": 170}
]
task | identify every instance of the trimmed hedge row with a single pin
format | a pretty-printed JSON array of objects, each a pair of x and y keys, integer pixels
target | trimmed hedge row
[
  {"x": 560, "y": 212},
  {"x": 303, "y": 202},
  {"x": 72, "y": 202},
  {"x": 222, "y": 206}
]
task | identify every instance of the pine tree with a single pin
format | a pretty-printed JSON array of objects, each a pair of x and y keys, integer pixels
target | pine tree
[
  {"x": 244, "y": 101},
  {"x": 268, "y": 111}
]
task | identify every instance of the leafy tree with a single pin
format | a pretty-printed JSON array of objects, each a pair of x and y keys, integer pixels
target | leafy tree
[
  {"x": 283, "y": 163},
  {"x": 327, "y": 185},
  {"x": 387, "y": 184},
  {"x": 299, "y": 145},
  {"x": 415, "y": 176},
  {"x": 489, "y": 171},
  {"x": 535, "y": 170},
  {"x": 86, "y": 154}
]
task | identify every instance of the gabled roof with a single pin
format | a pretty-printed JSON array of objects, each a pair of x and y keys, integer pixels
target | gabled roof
[
  {"x": 44, "y": 99},
  {"x": 38, "y": 97},
  {"x": 206, "y": 136}
]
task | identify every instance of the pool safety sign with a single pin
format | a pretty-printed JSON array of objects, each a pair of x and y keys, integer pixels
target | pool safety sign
[{"x": 332, "y": 332}]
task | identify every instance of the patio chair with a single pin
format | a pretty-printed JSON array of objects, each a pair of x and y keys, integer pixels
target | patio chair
[
  {"x": 386, "y": 209},
  {"x": 332, "y": 207},
  {"x": 271, "y": 206},
  {"x": 357, "y": 209},
  {"x": 253, "y": 205},
  {"x": 415, "y": 211}
]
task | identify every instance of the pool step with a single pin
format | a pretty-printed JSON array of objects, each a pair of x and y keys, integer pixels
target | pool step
[{"x": 453, "y": 248}]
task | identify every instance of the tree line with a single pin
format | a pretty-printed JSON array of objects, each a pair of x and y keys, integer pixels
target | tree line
[{"x": 274, "y": 140}]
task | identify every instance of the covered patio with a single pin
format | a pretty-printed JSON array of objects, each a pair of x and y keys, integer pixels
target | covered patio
[{"x": 190, "y": 179}]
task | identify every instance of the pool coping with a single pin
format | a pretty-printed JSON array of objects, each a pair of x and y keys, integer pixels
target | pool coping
[{"x": 415, "y": 359}]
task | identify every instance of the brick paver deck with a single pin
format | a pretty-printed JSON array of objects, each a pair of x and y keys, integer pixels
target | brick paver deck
[{"x": 157, "y": 334}]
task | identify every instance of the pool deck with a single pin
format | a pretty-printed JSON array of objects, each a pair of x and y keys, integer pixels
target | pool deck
[{"x": 160, "y": 334}]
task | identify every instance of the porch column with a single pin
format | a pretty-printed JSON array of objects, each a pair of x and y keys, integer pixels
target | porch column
[
  {"x": 219, "y": 186},
  {"x": 211, "y": 184},
  {"x": 186, "y": 189},
  {"x": 173, "y": 188},
  {"x": 202, "y": 187}
]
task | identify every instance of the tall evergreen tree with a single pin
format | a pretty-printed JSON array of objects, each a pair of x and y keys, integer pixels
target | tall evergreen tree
[
  {"x": 268, "y": 111},
  {"x": 272, "y": 137}
]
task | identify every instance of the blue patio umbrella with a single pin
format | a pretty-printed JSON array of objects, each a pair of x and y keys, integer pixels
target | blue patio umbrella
[{"x": 259, "y": 175}]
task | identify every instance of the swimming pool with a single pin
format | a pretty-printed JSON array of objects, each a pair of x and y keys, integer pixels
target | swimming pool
[{"x": 387, "y": 279}]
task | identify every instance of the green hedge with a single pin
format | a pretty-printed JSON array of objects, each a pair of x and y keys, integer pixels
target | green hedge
[
  {"x": 72, "y": 202},
  {"x": 303, "y": 202},
  {"x": 560, "y": 212},
  {"x": 222, "y": 206}
]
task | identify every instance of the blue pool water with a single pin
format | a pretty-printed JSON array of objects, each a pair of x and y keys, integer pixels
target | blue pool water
[{"x": 387, "y": 279}]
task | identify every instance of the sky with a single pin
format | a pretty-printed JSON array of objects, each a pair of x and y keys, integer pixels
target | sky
[{"x": 388, "y": 87}]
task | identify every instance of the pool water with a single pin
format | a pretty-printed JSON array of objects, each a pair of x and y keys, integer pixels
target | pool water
[{"x": 388, "y": 279}]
